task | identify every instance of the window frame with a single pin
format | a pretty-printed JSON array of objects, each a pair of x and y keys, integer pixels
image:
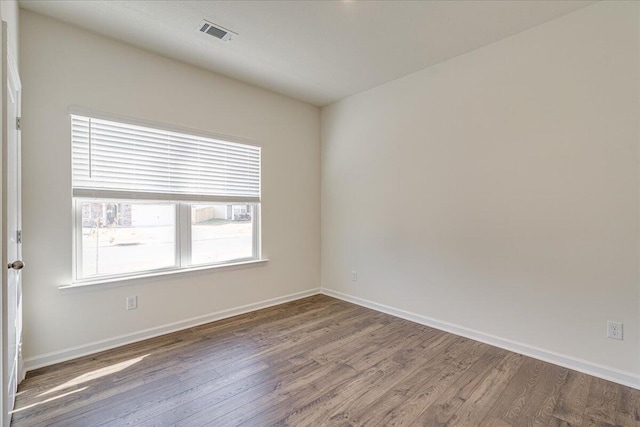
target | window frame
[
  {"x": 183, "y": 242},
  {"x": 255, "y": 235}
]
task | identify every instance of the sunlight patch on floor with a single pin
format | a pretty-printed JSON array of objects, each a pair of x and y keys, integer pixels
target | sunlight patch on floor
[
  {"x": 98, "y": 373},
  {"x": 48, "y": 400}
]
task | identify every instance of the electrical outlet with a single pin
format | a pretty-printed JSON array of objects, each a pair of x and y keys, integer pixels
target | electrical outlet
[
  {"x": 132, "y": 302},
  {"x": 354, "y": 276},
  {"x": 614, "y": 330}
]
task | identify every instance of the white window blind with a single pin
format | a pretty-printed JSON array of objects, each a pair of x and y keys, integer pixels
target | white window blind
[{"x": 120, "y": 160}]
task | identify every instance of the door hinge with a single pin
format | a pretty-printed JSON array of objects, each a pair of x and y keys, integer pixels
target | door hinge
[
  {"x": 19, "y": 236},
  {"x": 18, "y": 125}
]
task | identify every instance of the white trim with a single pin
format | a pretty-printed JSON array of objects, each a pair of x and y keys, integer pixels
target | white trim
[
  {"x": 626, "y": 378},
  {"x": 183, "y": 248},
  {"x": 183, "y": 234},
  {"x": 12, "y": 68},
  {"x": 47, "y": 359},
  {"x": 130, "y": 279}
]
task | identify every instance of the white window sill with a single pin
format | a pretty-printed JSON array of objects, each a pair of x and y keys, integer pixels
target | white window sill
[{"x": 128, "y": 280}]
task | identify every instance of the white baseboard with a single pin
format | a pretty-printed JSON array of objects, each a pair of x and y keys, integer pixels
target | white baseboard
[
  {"x": 611, "y": 374},
  {"x": 47, "y": 359},
  {"x": 621, "y": 377}
]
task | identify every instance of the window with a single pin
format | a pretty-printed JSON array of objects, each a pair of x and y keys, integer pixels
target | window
[
  {"x": 221, "y": 233},
  {"x": 147, "y": 199}
]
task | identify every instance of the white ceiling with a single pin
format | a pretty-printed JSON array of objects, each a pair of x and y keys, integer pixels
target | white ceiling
[{"x": 314, "y": 51}]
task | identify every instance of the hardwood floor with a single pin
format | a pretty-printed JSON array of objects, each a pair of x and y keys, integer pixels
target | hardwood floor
[{"x": 317, "y": 361}]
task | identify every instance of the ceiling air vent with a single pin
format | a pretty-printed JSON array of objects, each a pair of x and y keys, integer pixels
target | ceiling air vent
[{"x": 216, "y": 31}]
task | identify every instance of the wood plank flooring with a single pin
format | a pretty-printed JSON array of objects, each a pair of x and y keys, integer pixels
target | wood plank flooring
[{"x": 317, "y": 362}]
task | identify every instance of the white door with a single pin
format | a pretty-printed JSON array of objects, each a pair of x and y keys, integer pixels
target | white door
[{"x": 12, "y": 372}]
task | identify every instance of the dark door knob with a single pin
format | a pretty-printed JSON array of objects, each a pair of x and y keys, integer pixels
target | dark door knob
[{"x": 16, "y": 265}]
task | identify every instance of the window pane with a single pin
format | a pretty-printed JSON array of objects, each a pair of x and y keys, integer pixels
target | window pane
[
  {"x": 221, "y": 232},
  {"x": 125, "y": 237}
]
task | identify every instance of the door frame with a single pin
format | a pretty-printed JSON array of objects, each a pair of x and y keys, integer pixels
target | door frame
[{"x": 9, "y": 71}]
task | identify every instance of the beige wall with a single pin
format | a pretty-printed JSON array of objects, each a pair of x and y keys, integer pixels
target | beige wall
[
  {"x": 498, "y": 191},
  {"x": 62, "y": 66}
]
